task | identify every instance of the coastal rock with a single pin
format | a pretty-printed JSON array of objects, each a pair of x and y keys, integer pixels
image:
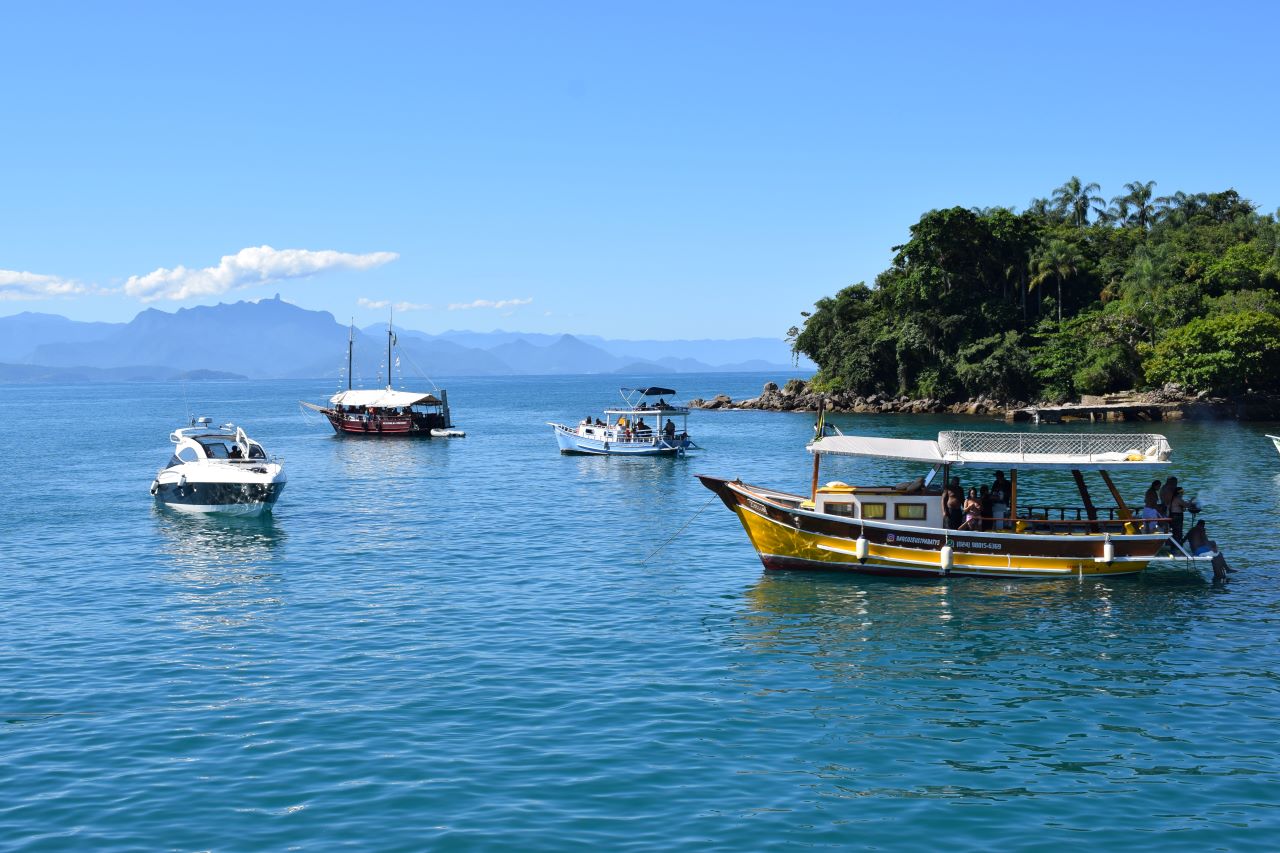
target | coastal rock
[{"x": 720, "y": 401}]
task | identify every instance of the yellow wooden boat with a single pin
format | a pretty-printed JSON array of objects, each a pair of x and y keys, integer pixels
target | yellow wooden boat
[{"x": 901, "y": 530}]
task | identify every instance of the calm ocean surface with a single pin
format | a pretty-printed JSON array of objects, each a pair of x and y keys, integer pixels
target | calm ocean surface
[{"x": 461, "y": 645}]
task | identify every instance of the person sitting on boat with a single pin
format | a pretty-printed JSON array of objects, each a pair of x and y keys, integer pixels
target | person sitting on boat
[
  {"x": 586, "y": 422},
  {"x": 1198, "y": 540},
  {"x": 236, "y": 452},
  {"x": 972, "y": 512},
  {"x": 642, "y": 428},
  {"x": 669, "y": 430},
  {"x": 1150, "y": 512},
  {"x": 662, "y": 404}
]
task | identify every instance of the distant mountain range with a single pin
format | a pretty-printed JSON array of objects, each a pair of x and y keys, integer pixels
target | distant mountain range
[{"x": 273, "y": 339}]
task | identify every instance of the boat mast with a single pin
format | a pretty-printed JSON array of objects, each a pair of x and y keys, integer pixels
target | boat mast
[
  {"x": 390, "y": 317},
  {"x": 351, "y": 336}
]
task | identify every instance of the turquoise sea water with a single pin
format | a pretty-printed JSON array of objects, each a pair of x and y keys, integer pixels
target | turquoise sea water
[{"x": 461, "y": 645}]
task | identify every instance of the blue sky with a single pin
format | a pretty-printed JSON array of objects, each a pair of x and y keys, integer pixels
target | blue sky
[{"x": 632, "y": 170}]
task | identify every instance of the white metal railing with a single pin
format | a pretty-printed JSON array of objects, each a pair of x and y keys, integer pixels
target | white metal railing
[{"x": 1056, "y": 444}]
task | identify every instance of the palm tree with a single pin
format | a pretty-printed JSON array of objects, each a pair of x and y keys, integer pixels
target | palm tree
[
  {"x": 1144, "y": 287},
  {"x": 1137, "y": 204},
  {"x": 1074, "y": 199},
  {"x": 1058, "y": 260},
  {"x": 1117, "y": 211},
  {"x": 1179, "y": 207},
  {"x": 1042, "y": 208}
]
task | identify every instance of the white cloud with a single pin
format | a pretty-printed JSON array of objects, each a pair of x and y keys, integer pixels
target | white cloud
[
  {"x": 15, "y": 285},
  {"x": 399, "y": 306},
  {"x": 255, "y": 265},
  {"x": 488, "y": 303}
]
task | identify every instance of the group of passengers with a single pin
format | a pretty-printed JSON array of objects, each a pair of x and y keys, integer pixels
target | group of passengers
[
  {"x": 370, "y": 412},
  {"x": 638, "y": 430},
  {"x": 984, "y": 508},
  {"x": 1165, "y": 502}
]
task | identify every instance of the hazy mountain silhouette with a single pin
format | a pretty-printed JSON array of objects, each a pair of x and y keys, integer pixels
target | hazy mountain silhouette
[
  {"x": 20, "y": 334},
  {"x": 271, "y": 338}
]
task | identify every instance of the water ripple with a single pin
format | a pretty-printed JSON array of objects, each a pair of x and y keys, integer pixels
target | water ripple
[{"x": 460, "y": 645}]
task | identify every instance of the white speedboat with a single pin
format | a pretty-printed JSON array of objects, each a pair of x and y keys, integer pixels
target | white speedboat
[
  {"x": 218, "y": 470},
  {"x": 624, "y": 431}
]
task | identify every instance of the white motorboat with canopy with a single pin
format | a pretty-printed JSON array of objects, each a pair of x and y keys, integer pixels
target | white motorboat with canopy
[
  {"x": 624, "y": 430},
  {"x": 218, "y": 470},
  {"x": 906, "y": 528}
]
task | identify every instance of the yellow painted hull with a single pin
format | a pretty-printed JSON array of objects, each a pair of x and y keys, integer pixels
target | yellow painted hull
[
  {"x": 787, "y": 536},
  {"x": 778, "y": 545}
]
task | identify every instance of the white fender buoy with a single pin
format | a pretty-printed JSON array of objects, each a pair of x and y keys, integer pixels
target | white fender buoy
[
  {"x": 946, "y": 558},
  {"x": 861, "y": 549},
  {"x": 1108, "y": 552}
]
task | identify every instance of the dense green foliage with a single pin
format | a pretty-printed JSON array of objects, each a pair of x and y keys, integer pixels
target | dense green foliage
[{"x": 1067, "y": 298}]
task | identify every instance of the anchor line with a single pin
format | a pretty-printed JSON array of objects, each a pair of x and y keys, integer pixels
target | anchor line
[{"x": 681, "y": 530}]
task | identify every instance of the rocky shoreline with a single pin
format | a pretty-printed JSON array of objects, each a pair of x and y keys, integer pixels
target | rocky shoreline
[{"x": 1168, "y": 403}]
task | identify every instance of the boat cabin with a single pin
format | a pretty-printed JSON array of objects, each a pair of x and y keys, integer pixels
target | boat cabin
[
  {"x": 909, "y": 503},
  {"x": 204, "y": 442}
]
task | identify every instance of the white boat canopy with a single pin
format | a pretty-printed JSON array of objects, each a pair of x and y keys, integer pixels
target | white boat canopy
[
  {"x": 383, "y": 398},
  {"x": 1008, "y": 449}
]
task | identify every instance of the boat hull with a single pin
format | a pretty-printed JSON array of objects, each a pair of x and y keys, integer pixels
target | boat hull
[
  {"x": 787, "y": 536},
  {"x": 244, "y": 499},
  {"x": 398, "y": 426}
]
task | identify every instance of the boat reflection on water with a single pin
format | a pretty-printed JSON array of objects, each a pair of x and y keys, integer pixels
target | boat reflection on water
[
  {"x": 386, "y": 461},
  {"x": 850, "y": 624},
  {"x": 222, "y": 572}
]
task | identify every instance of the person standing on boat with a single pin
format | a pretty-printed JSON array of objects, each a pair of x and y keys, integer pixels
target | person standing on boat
[
  {"x": 953, "y": 503},
  {"x": 1153, "y": 494},
  {"x": 999, "y": 500},
  {"x": 986, "y": 508},
  {"x": 972, "y": 512},
  {"x": 1177, "y": 512},
  {"x": 1167, "y": 492}
]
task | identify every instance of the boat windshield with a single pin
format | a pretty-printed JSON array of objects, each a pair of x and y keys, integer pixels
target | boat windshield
[{"x": 214, "y": 448}]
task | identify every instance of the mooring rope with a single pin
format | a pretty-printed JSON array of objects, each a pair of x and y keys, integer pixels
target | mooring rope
[{"x": 681, "y": 530}]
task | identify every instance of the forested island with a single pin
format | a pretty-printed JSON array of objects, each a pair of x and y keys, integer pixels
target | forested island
[{"x": 1073, "y": 296}]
